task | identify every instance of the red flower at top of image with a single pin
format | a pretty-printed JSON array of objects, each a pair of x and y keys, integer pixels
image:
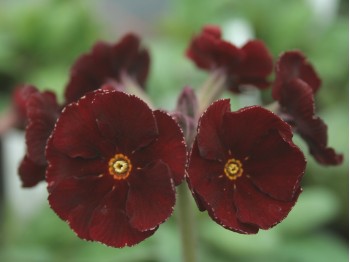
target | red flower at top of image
[
  {"x": 243, "y": 168},
  {"x": 105, "y": 64},
  {"x": 41, "y": 111},
  {"x": 250, "y": 64},
  {"x": 294, "y": 88},
  {"x": 113, "y": 167}
]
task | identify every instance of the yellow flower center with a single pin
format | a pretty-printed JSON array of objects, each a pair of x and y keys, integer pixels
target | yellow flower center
[
  {"x": 233, "y": 169},
  {"x": 119, "y": 166}
]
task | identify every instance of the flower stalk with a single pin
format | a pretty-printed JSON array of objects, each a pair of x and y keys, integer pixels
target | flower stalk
[
  {"x": 211, "y": 89},
  {"x": 185, "y": 217}
]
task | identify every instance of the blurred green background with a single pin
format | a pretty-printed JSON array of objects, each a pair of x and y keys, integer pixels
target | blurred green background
[{"x": 39, "y": 41}]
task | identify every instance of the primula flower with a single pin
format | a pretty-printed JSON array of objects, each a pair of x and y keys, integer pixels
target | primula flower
[
  {"x": 250, "y": 64},
  {"x": 41, "y": 113},
  {"x": 113, "y": 167},
  {"x": 20, "y": 98},
  {"x": 106, "y": 64},
  {"x": 243, "y": 168},
  {"x": 294, "y": 88}
]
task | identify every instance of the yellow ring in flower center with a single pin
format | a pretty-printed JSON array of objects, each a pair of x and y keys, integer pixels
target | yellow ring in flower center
[
  {"x": 119, "y": 166},
  {"x": 233, "y": 169}
]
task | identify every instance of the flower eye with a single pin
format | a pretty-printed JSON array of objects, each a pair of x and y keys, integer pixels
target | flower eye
[
  {"x": 233, "y": 169},
  {"x": 119, "y": 167}
]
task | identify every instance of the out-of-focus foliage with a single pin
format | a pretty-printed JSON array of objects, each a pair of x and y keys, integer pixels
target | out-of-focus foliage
[
  {"x": 38, "y": 43},
  {"x": 40, "y": 39}
]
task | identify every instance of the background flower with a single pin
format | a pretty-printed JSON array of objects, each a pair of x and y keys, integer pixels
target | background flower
[
  {"x": 294, "y": 88},
  {"x": 250, "y": 64},
  {"x": 42, "y": 111},
  {"x": 107, "y": 63}
]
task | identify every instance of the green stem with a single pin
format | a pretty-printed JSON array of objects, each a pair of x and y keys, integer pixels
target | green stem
[
  {"x": 273, "y": 107},
  {"x": 186, "y": 223},
  {"x": 132, "y": 87},
  {"x": 211, "y": 89}
]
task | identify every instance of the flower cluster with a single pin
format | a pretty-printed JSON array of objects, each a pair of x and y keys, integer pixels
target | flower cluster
[{"x": 112, "y": 162}]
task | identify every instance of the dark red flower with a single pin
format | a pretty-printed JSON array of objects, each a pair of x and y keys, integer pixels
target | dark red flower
[
  {"x": 19, "y": 100},
  {"x": 106, "y": 64},
  {"x": 294, "y": 88},
  {"x": 243, "y": 168},
  {"x": 250, "y": 64},
  {"x": 42, "y": 112},
  {"x": 113, "y": 167}
]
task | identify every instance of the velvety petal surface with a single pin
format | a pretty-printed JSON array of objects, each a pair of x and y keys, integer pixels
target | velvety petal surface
[
  {"x": 124, "y": 119},
  {"x": 208, "y": 180},
  {"x": 208, "y": 51},
  {"x": 42, "y": 113},
  {"x": 110, "y": 223},
  {"x": 151, "y": 197},
  {"x": 89, "y": 72},
  {"x": 291, "y": 65},
  {"x": 250, "y": 64},
  {"x": 169, "y": 147},
  {"x": 256, "y": 65},
  {"x": 76, "y": 132},
  {"x": 106, "y": 63},
  {"x": 276, "y": 167},
  {"x": 210, "y": 130},
  {"x": 298, "y": 102},
  {"x": 30, "y": 172},
  {"x": 257, "y": 208},
  {"x": 61, "y": 166},
  {"x": 75, "y": 200},
  {"x": 20, "y": 97},
  {"x": 244, "y": 128}
]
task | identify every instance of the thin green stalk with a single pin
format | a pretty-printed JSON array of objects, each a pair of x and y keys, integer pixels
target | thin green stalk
[
  {"x": 273, "y": 107},
  {"x": 211, "y": 89},
  {"x": 132, "y": 87},
  {"x": 186, "y": 221}
]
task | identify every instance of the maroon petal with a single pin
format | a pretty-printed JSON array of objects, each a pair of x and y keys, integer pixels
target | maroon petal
[
  {"x": 124, "y": 119},
  {"x": 242, "y": 129},
  {"x": 169, "y": 147},
  {"x": 216, "y": 191},
  {"x": 210, "y": 130},
  {"x": 20, "y": 97},
  {"x": 256, "y": 65},
  {"x": 212, "y": 30},
  {"x": 276, "y": 166},
  {"x": 42, "y": 113},
  {"x": 30, "y": 172},
  {"x": 76, "y": 132},
  {"x": 106, "y": 63},
  {"x": 110, "y": 223},
  {"x": 151, "y": 197},
  {"x": 209, "y": 52},
  {"x": 257, "y": 208},
  {"x": 291, "y": 65},
  {"x": 250, "y": 64},
  {"x": 125, "y": 52},
  {"x": 298, "y": 102},
  {"x": 61, "y": 166},
  {"x": 89, "y": 72},
  {"x": 139, "y": 68},
  {"x": 75, "y": 200}
]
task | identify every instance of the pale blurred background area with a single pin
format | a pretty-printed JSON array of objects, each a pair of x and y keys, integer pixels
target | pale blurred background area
[{"x": 39, "y": 41}]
